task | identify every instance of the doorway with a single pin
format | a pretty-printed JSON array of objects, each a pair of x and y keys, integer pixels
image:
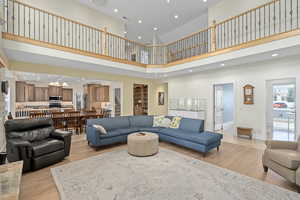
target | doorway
[
  {"x": 281, "y": 114},
  {"x": 223, "y": 107}
]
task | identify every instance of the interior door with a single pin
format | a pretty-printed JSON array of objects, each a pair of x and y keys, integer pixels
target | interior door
[{"x": 219, "y": 107}]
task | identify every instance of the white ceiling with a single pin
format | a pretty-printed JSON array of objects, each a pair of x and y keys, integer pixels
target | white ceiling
[{"x": 153, "y": 13}]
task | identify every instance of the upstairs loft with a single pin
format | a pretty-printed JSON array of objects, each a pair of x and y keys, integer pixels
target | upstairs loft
[{"x": 276, "y": 20}]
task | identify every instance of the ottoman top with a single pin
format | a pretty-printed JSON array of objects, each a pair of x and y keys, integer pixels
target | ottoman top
[{"x": 143, "y": 136}]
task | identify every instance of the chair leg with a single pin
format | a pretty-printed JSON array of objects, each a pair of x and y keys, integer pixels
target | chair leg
[
  {"x": 298, "y": 188},
  {"x": 218, "y": 148},
  {"x": 266, "y": 169}
]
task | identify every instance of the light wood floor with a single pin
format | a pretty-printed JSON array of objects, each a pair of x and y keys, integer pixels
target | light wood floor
[{"x": 243, "y": 158}]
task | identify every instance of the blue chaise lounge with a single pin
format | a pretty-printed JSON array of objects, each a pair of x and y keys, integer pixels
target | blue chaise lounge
[{"x": 190, "y": 133}]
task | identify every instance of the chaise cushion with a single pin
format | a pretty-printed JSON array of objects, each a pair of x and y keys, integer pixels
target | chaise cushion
[
  {"x": 285, "y": 157},
  {"x": 47, "y": 146},
  {"x": 205, "y": 138},
  {"x": 141, "y": 121},
  {"x": 151, "y": 130},
  {"x": 195, "y": 125},
  {"x": 119, "y": 132}
]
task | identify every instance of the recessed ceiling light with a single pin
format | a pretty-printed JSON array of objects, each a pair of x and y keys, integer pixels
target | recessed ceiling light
[
  {"x": 139, "y": 37},
  {"x": 222, "y": 64},
  {"x": 140, "y": 21},
  {"x": 204, "y": 0},
  {"x": 275, "y": 54},
  {"x": 116, "y": 10},
  {"x": 176, "y": 16},
  {"x": 125, "y": 32},
  {"x": 191, "y": 70},
  {"x": 168, "y": 1},
  {"x": 155, "y": 28}
]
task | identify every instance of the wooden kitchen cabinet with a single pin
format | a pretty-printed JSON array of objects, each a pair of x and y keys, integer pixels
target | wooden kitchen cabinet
[
  {"x": 95, "y": 94},
  {"x": 67, "y": 94},
  {"x": 30, "y": 92},
  {"x": 41, "y": 94},
  {"x": 55, "y": 91},
  {"x": 104, "y": 93},
  {"x": 20, "y": 91}
]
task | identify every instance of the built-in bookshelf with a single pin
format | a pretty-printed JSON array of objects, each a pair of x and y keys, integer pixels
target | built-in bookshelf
[{"x": 140, "y": 99}]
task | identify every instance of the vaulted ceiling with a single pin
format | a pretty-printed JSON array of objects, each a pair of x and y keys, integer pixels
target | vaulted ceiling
[{"x": 152, "y": 13}]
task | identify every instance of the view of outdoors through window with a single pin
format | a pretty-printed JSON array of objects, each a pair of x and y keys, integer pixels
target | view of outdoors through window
[{"x": 284, "y": 112}]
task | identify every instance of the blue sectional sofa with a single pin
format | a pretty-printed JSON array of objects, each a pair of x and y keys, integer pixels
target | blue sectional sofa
[{"x": 190, "y": 133}]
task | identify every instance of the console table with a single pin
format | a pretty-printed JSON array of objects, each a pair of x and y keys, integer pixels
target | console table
[
  {"x": 244, "y": 131},
  {"x": 10, "y": 178}
]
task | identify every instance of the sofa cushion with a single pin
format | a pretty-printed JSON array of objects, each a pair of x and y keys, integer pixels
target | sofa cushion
[
  {"x": 100, "y": 129},
  {"x": 205, "y": 138},
  {"x": 194, "y": 125},
  {"x": 111, "y": 123},
  {"x": 141, "y": 121},
  {"x": 119, "y": 132},
  {"x": 157, "y": 120},
  {"x": 46, "y": 146},
  {"x": 285, "y": 157},
  {"x": 151, "y": 129},
  {"x": 32, "y": 135},
  {"x": 175, "y": 123}
]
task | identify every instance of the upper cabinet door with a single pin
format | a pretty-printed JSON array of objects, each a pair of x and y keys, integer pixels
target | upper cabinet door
[
  {"x": 55, "y": 91},
  {"x": 67, "y": 94},
  {"x": 105, "y": 93},
  {"x": 20, "y": 91},
  {"x": 30, "y": 92}
]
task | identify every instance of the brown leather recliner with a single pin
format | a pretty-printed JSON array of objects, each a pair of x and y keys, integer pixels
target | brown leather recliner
[
  {"x": 36, "y": 142},
  {"x": 283, "y": 158}
]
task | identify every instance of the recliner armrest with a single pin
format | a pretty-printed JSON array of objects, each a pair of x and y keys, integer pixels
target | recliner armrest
[
  {"x": 273, "y": 144},
  {"x": 19, "y": 143},
  {"x": 66, "y": 136},
  {"x": 59, "y": 134}
]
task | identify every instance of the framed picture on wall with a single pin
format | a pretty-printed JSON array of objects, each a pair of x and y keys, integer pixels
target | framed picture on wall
[{"x": 161, "y": 98}]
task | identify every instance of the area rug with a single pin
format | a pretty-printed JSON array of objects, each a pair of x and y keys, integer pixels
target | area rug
[{"x": 166, "y": 176}]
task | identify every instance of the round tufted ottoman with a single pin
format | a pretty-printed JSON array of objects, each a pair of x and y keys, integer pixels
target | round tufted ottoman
[{"x": 142, "y": 144}]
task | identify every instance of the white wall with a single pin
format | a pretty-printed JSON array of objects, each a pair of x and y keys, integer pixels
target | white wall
[
  {"x": 229, "y": 8},
  {"x": 73, "y": 10},
  {"x": 201, "y": 85},
  {"x": 195, "y": 25}
]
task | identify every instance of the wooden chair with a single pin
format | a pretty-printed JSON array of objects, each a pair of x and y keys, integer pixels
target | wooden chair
[
  {"x": 58, "y": 120},
  {"x": 73, "y": 121},
  {"x": 36, "y": 115}
]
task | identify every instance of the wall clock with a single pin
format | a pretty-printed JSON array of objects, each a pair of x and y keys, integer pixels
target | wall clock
[{"x": 248, "y": 94}]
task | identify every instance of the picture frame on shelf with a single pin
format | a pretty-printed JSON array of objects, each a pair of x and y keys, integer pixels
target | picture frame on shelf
[{"x": 161, "y": 98}]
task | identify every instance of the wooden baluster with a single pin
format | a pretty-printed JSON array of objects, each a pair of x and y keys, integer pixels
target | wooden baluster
[
  {"x": 104, "y": 45},
  {"x": 213, "y": 37}
]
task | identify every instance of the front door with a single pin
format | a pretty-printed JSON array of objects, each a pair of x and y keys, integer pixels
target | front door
[{"x": 282, "y": 110}]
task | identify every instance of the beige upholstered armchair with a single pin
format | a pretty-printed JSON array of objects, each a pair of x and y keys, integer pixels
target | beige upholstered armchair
[{"x": 283, "y": 158}]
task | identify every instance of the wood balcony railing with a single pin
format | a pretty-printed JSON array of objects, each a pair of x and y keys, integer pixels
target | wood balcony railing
[{"x": 275, "y": 20}]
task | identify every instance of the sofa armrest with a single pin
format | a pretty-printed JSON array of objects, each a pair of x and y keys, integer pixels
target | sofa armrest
[
  {"x": 66, "y": 136},
  {"x": 273, "y": 144}
]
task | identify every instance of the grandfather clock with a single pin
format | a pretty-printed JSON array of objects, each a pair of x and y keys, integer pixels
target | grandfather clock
[{"x": 248, "y": 94}]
